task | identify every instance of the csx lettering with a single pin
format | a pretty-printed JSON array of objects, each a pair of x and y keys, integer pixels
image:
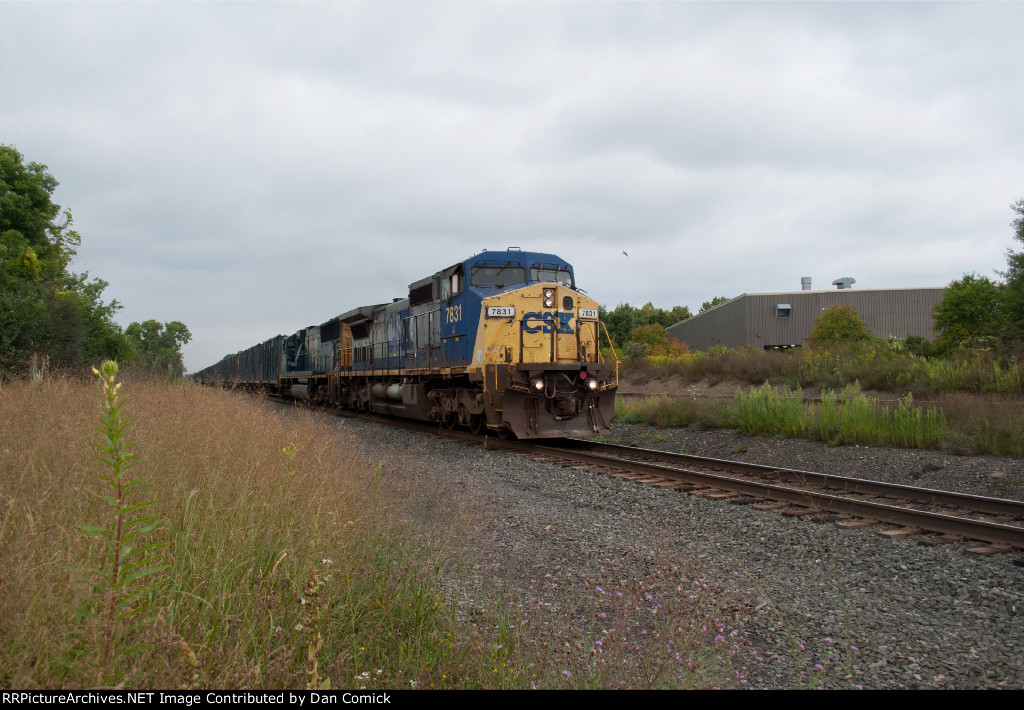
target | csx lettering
[{"x": 542, "y": 322}]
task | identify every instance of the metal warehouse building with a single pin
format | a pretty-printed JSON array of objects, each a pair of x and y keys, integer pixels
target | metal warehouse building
[{"x": 784, "y": 319}]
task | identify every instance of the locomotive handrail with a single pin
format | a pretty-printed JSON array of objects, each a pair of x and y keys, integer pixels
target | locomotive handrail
[{"x": 612, "y": 346}]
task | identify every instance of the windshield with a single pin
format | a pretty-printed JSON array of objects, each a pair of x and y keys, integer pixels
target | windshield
[
  {"x": 563, "y": 277},
  {"x": 497, "y": 275}
]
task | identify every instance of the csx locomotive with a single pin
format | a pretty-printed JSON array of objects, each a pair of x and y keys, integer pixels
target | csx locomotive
[{"x": 503, "y": 341}]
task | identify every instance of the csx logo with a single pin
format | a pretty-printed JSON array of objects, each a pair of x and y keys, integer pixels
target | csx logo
[{"x": 542, "y": 322}]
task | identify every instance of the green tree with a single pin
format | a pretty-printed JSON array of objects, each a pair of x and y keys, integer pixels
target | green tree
[
  {"x": 1013, "y": 295},
  {"x": 839, "y": 324},
  {"x": 657, "y": 340},
  {"x": 44, "y": 308},
  {"x": 716, "y": 301},
  {"x": 158, "y": 345},
  {"x": 625, "y": 319},
  {"x": 970, "y": 311}
]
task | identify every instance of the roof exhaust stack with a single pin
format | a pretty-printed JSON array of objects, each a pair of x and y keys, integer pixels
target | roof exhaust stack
[
  {"x": 844, "y": 282},
  {"x": 805, "y": 283}
]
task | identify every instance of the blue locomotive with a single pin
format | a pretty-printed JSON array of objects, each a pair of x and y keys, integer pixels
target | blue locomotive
[{"x": 503, "y": 341}]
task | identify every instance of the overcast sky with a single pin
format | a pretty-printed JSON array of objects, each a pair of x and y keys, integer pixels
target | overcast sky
[{"x": 250, "y": 169}]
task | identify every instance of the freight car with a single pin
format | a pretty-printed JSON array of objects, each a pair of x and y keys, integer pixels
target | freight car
[{"x": 503, "y": 341}]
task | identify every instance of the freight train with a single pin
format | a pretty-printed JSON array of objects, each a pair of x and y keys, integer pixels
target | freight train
[{"x": 502, "y": 342}]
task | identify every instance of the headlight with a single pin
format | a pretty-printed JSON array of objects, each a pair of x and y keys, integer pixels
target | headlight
[
  {"x": 537, "y": 384},
  {"x": 549, "y": 298},
  {"x": 592, "y": 383}
]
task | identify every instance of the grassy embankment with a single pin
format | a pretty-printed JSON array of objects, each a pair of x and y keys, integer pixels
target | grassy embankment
[
  {"x": 975, "y": 399},
  {"x": 274, "y": 557}
]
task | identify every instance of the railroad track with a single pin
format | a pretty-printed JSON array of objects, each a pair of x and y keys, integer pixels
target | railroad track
[
  {"x": 851, "y": 502},
  {"x": 939, "y": 517}
]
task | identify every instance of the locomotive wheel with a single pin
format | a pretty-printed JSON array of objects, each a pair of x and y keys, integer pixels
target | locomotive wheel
[
  {"x": 476, "y": 423},
  {"x": 451, "y": 419},
  {"x": 505, "y": 433}
]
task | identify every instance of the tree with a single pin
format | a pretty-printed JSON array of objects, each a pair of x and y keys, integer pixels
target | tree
[
  {"x": 158, "y": 345},
  {"x": 1013, "y": 294},
  {"x": 625, "y": 319},
  {"x": 657, "y": 340},
  {"x": 716, "y": 301},
  {"x": 44, "y": 308},
  {"x": 839, "y": 324},
  {"x": 970, "y": 311}
]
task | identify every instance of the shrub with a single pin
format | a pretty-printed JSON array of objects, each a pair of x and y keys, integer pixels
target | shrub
[{"x": 839, "y": 324}]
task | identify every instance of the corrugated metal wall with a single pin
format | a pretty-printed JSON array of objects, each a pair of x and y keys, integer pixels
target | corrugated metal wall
[{"x": 754, "y": 319}]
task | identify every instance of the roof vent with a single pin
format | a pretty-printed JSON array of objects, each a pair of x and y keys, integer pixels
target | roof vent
[
  {"x": 805, "y": 283},
  {"x": 844, "y": 282}
]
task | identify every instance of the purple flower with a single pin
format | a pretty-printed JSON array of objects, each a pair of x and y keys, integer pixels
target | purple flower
[
  {"x": 819, "y": 666},
  {"x": 828, "y": 639}
]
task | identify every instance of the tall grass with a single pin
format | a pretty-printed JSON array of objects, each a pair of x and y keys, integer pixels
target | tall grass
[
  {"x": 287, "y": 562},
  {"x": 876, "y": 365},
  {"x": 960, "y": 423}
]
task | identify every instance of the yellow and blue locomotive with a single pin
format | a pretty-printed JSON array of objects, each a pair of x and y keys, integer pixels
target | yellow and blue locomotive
[{"x": 503, "y": 341}]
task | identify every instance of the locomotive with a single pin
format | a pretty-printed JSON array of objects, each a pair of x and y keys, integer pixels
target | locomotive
[{"x": 502, "y": 342}]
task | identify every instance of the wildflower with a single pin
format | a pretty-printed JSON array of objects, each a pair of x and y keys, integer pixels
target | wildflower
[
  {"x": 566, "y": 673},
  {"x": 828, "y": 639},
  {"x": 854, "y": 648},
  {"x": 819, "y": 666},
  {"x": 599, "y": 590},
  {"x": 648, "y": 597}
]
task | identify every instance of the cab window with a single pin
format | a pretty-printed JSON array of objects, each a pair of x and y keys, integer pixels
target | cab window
[
  {"x": 497, "y": 275},
  {"x": 563, "y": 277}
]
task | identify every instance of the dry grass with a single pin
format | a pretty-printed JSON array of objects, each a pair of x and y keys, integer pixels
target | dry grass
[
  {"x": 286, "y": 560},
  {"x": 241, "y": 531}
]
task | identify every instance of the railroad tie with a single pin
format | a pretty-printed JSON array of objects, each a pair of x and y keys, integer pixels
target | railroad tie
[
  {"x": 853, "y": 524},
  {"x": 901, "y": 532},
  {"x": 771, "y": 506},
  {"x": 989, "y": 550}
]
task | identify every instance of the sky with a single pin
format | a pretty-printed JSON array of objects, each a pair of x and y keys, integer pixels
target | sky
[{"x": 253, "y": 168}]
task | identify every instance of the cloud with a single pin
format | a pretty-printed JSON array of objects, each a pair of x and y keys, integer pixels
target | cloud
[{"x": 253, "y": 168}]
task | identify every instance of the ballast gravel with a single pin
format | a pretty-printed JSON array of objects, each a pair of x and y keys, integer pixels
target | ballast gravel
[{"x": 815, "y": 605}]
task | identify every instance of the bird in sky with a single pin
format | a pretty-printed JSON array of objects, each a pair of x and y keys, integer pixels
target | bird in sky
[{"x": 624, "y": 253}]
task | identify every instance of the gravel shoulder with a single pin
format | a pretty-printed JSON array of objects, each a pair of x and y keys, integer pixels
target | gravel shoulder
[{"x": 814, "y": 605}]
